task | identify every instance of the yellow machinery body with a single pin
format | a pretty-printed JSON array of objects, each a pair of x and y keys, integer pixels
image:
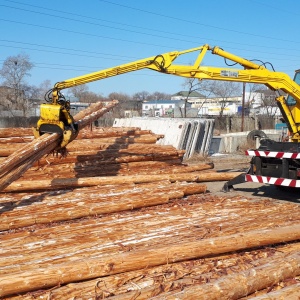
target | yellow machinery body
[
  {"x": 250, "y": 72},
  {"x": 55, "y": 118}
]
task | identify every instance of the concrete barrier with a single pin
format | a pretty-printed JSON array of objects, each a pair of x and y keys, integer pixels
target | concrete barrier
[
  {"x": 232, "y": 142},
  {"x": 192, "y": 135}
]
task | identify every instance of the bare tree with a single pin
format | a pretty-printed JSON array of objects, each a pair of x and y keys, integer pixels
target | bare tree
[
  {"x": 14, "y": 71},
  {"x": 79, "y": 90},
  {"x": 90, "y": 97},
  {"x": 119, "y": 96},
  {"x": 268, "y": 103},
  {"x": 6, "y": 96},
  {"x": 30, "y": 92},
  {"x": 192, "y": 85},
  {"x": 123, "y": 99},
  {"x": 84, "y": 95},
  {"x": 159, "y": 96},
  {"x": 223, "y": 90},
  {"x": 141, "y": 96},
  {"x": 144, "y": 95},
  {"x": 44, "y": 87},
  {"x": 195, "y": 85}
]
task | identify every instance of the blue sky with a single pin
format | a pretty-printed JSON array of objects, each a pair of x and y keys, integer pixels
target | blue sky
[{"x": 69, "y": 38}]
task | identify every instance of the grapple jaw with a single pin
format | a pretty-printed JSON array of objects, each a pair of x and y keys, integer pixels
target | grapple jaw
[{"x": 54, "y": 118}]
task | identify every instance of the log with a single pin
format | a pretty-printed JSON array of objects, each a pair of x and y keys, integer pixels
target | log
[
  {"x": 17, "y": 132},
  {"x": 23, "y": 159},
  {"x": 74, "y": 241},
  {"x": 291, "y": 292},
  {"x": 128, "y": 148},
  {"x": 53, "y": 275},
  {"x": 94, "y": 142},
  {"x": 17, "y": 139},
  {"x": 125, "y": 166},
  {"x": 118, "y": 155},
  {"x": 241, "y": 284},
  {"x": 88, "y": 205},
  {"x": 60, "y": 183},
  {"x": 123, "y": 169},
  {"x": 134, "y": 165},
  {"x": 152, "y": 281},
  {"x": 27, "y": 151},
  {"x": 71, "y": 211},
  {"x": 112, "y": 132},
  {"x": 92, "y": 113}
]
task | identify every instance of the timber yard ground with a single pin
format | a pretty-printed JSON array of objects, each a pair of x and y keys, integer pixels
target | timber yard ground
[{"x": 134, "y": 222}]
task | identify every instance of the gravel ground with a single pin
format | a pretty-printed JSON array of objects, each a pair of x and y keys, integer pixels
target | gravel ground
[{"x": 239, "y": 162}]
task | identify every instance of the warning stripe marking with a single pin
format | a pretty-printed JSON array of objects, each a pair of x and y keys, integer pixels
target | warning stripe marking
[{"x": 273, "y": 180}]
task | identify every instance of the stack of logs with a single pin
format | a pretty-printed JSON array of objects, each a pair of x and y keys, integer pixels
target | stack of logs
[{"x": 122, "y": 217}]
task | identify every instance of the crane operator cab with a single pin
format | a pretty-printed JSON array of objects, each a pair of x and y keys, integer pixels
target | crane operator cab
[{"x": 290, "y": 100}]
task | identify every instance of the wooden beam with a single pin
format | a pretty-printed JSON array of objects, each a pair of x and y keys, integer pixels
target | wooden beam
[
  {"x": 77, "y": 204},
  {"x": 53, "y": 275},
  {"x": 60, "y": 183},
  {"x": 243, "y": 283},
  {"x": 24, "y": 158}
]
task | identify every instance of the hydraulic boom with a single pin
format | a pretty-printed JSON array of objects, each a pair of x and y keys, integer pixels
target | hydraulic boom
[{"x": 56, "y": 117}]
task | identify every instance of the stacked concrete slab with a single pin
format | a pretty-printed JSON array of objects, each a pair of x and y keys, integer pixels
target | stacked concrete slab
[{"x": 192, "y": 135}]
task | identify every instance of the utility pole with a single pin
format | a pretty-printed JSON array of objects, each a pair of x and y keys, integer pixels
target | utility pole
[{"x": 243, "y": 107}]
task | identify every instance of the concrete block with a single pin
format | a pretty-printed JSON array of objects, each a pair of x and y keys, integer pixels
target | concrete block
[{"x": 191, "y": 134}]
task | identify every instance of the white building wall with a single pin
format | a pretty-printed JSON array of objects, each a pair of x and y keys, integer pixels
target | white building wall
[{"x": 214, "y": 110}]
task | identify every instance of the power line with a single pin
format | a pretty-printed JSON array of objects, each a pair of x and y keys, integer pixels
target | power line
[
  {"x": 150, "y": 29},
  {"x": 81, "y": 21},
  {"x": 75, "y": 50},
  {"x": 82, "y": 33},
  {"x": 90, "y": 53},
  {"x": 281, "y": 9},
  {"x": 115, "y": 57},
  {"x": 68, "y": 49},
  {"x": 97, "y": 24},
  {"x": 194, "y": 22},
  {"x": 83, "y": 69}
]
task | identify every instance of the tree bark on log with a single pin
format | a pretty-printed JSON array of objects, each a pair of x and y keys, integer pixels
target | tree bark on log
[
  {"x": 157, "y": 280},
  {"x": 241, "y": 284},
  {"x": 20, "y": 161},
  {"x": 17, "y": 139},
  {"x": 291, "y": 292},
  {"x": 10, "y": 132},
  {"x": 135, "y": 165},
  {"x": 118, "y": 155},
  {"x": 19, "y": 282},
  {"x": 112, "y": 132},
  {"x": 86, "y": 205},
  {"x": 60, "y": 183},
  {"x": 23, "y": 159},
  {"x": 13, "y": 144},
  {"x": 94, "y": 142}
]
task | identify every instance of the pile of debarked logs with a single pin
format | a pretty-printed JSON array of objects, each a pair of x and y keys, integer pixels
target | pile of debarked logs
[{"x": 122, "y": 217}]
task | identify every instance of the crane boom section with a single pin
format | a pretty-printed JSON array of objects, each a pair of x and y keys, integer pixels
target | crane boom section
[
  {"x": 273, "y": 80},
  {"x": 158, "y": 63},
  {"x": 250, "y": 73}
]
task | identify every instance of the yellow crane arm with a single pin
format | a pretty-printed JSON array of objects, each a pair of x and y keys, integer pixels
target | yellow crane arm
[
  {"x": 252, "y": 73},
  {"x": 163, "y": 63},
  {"x": 159, "y": 63}
]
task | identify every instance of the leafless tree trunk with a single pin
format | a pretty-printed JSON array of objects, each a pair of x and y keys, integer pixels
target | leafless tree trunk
[
  {"x": 193, "y": 85},
  {"x": 14, "y": 71}
]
